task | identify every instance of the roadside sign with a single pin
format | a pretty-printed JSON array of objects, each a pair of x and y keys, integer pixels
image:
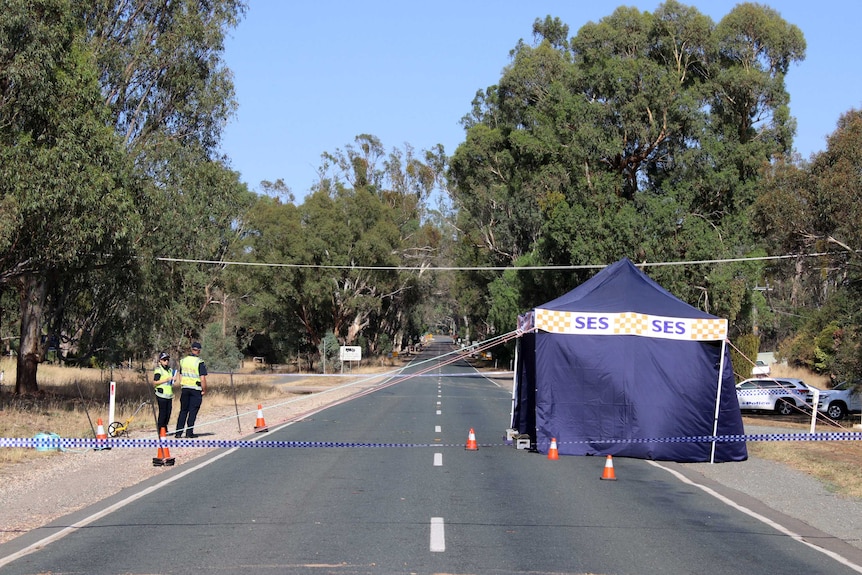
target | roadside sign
[{"x": 350, "y": 353}]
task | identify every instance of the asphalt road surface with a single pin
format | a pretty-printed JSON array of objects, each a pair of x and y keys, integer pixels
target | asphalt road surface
[{"x": 388, "y": 487}]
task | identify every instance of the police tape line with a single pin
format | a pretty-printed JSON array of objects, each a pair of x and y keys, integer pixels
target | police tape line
[{"x": 67, "y": 443}]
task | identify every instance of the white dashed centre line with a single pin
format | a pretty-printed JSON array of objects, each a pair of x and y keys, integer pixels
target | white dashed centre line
[
  {"x": 438, "y": 460},
  {"x": 438, "y": 536}
]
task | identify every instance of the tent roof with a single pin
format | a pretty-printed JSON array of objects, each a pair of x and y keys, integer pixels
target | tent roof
[{"x": 621, "y": 287}]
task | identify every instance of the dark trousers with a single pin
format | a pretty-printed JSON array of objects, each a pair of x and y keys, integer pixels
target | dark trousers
[
  {"x": 165, "y": 406},
  {"x": 190, "y": 404}
]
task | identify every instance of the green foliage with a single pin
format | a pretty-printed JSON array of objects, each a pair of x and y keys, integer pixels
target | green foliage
[
  {"x": 108, "y": 115},
  {"x": 743, "y": 356},
  {"x": 221, "y": 353},
  {"x": 384, "y": 345},
  {"x": 330, "y": 353},
  {"x": 636, "y": 137},
  {"x": 828, "y": 340}
]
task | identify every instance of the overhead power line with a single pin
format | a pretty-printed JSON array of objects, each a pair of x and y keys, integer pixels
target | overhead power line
[{"x": 489, "y": 268}]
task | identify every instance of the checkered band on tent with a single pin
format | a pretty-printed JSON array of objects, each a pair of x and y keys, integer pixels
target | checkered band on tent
[
  {"x": 708, "y": 329},
  {"x": 630, "y": 323},
  {"x": 554, "y": 321}
]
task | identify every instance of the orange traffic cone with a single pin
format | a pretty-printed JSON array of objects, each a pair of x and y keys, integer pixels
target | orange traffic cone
[
  {"x": 471, "y": 441},
  {"x": 163, "y": 457},
  {"x": 608, "y": 472},
  {"x": 100, "y": 435},
  {"x": 260, "y": 424},
  {"x": 552, "y": 452}
]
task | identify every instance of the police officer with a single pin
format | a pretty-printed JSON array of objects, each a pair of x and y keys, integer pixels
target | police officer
[
  {"x": 163, "y": 380},
  {"x": 193, "y": 384}
]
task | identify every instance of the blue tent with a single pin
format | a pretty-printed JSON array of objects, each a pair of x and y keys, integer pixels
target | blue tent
[{"x": 619, "y": 366}]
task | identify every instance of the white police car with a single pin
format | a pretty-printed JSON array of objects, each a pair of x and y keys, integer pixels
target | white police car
[
  {"x": 844, "y": 398},
  {"x": 781, "y": 395}
]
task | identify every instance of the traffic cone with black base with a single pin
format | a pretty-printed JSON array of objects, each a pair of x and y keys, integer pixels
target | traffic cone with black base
[
  {"x": 608, "y": 472},
  {"x": 260, "y": 424},
  {"x": 553, "y": 453},
  {"x": 163, "y": 457},
  {"x": 471, "y": 441},
  {"x": 100, "y": 436}
]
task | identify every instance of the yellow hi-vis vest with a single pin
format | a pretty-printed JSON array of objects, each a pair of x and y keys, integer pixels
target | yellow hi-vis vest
[
  {"x": 190, "y": 368},
  {"x": 164, "y": 385}
]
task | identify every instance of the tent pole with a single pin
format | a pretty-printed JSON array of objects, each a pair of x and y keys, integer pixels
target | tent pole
[
  {"x": 718, "y": 398},
  {"x": 514, "y": 384}
]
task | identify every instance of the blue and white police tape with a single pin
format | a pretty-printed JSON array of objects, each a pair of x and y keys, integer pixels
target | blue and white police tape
[{"x": 71, "y": 442}]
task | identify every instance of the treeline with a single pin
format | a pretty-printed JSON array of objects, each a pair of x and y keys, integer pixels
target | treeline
[{"x": 663, "y": 137}]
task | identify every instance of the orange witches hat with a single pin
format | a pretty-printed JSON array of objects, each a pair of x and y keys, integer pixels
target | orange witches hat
[
  {"x": 552, "y": 452},
  {"x": 100, "y": 430},
  {"x": 608, "y": 472},
  {"x": 471, "y": 441},
  {"x": 260, "y": 424},
  {"x": 163, "y": 456},
  {"x": 101, "y": 436}
]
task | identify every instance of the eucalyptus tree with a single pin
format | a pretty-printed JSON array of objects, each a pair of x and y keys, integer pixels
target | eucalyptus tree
[
  {"x": 111, "y": 109},
  {"x": 170, "y": 94},
  {"x": 403, "y": 182},
  {"x": 268, "y": 290},
  {"x": 643, "y": 135},
  {"x": 334, "y": 264},
  {"x": 815, "y": 207},
  {"x": 67, "y": 190}
]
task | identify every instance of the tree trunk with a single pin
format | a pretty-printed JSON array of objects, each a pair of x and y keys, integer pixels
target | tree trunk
[
  {"x": 33, "y": 291},
  {"x": 797, "y": 283}
]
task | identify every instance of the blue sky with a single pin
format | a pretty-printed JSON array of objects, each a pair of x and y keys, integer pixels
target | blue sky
[{"x": 311, "y": 76}]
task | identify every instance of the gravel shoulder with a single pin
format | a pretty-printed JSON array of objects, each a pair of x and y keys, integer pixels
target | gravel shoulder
[
  {"x": 38, "y": 491},
  {"x": 789, "y": 491}
]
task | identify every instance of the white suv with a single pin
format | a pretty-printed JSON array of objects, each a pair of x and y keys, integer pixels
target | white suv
[
  {"x": 837, "y": 402},
  {"x": 783, "y": 395}
]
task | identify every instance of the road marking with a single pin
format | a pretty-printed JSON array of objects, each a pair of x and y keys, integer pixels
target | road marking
[
  {"x": 777, "y": 526},
  {"x": 439, "y": 403},
  {"x": 438, "y": 460},
  {"x": 438, "y": 429},
  {"x": 438, "y": 536},
  {"x": 439, "y": 412}
]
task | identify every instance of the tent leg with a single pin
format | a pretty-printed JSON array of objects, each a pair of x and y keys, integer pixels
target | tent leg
[
  {"x": 718, "y": 398},
  {"x": 514, "y": 385}
]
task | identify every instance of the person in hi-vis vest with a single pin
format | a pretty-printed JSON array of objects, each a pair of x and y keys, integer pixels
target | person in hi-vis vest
[
  {"x": 192, "y": 378},
  {"x": 163, "y": 381}
]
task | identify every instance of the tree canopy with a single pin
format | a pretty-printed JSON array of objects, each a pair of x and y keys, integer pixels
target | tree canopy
[{"x": 661, "y": 136}]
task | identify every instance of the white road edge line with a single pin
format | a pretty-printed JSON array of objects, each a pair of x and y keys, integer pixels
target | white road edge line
[
  {"x": 107, "y": 511},
  {"x": 438, "y": 535},
  {"x": 759, "y": 517},
  {"x": 120, "y": 504}
]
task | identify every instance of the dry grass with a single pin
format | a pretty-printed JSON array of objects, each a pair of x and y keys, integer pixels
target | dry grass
[
  {"x": 805, "y": 375},
  {"x": 836, "y": 463},
  {"x": 70, "y": 400}
]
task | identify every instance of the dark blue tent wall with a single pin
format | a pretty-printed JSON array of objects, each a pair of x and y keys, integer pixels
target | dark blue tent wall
[{"x": 625, "y": 395}]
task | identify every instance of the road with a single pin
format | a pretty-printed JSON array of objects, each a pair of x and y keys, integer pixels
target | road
[{"x": 387, "y": 487}]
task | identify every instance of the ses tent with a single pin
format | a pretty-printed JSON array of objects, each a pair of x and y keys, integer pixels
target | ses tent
[{"x": 619, "y": 366}]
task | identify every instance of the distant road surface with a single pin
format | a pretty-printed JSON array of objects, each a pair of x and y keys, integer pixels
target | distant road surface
[{"x": 385, "y": 485}]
